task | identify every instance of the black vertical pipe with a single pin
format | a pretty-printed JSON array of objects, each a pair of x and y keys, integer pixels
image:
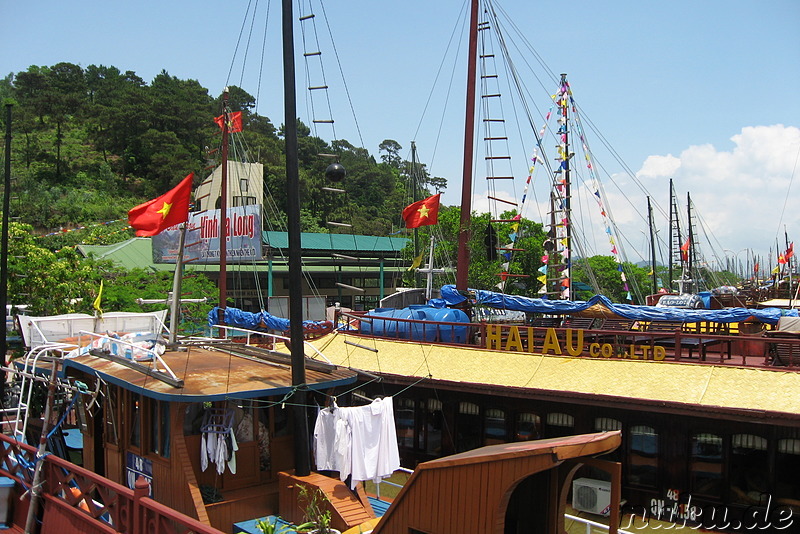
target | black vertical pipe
[
  {"x": 652, "y": 245},
  {"x": 4, "y": 252},
  {"x": 302, "y": 458}
]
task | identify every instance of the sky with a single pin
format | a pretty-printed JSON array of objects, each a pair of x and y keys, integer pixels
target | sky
[{"x": 703, "y": 93}]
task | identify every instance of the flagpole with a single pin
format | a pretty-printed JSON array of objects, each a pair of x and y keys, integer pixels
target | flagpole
[
  {"x": 175, "y": 303},
  {"x": 4, "y": 252},
  {"x": 223, "y": 216}
]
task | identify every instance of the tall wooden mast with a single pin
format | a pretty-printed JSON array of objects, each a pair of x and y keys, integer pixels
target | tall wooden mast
[{"x": 464, "y": 230}]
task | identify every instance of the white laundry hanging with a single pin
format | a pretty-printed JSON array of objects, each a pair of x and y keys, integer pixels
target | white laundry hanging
[{"x": 364, "y": 441}]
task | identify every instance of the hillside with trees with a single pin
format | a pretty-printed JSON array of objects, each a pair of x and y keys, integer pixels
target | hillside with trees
[{"x": 91, "y": 143}]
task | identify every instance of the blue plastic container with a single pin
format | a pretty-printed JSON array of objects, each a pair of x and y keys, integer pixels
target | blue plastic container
[{"x": 384, "y": 323}]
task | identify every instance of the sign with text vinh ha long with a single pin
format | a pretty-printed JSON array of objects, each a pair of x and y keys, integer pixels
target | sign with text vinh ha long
[{"x": 243, "y": 240}]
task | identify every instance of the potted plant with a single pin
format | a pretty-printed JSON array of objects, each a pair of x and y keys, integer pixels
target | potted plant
[
  {"x": 265, "y": 526},
  {"x": 316, "y": 512}
]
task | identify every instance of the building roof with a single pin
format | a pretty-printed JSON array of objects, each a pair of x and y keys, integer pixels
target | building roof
[
  {"x": 137, "y": 252},
  {"x": 676, "y": 387},
  {"x": 327, "y": 242}
]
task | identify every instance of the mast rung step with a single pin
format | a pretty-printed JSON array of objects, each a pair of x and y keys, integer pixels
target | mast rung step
[
  {"x": 340, "y": 224},
  {"x": 307, "y": 54},
  {"x": 499, "y": 177},
  {"x": 192, "y": 244},
  {"x": 491, "y": 96},
  {"x": 344, "y": 257},
  {"x": 495, "y": 138},
  {"x": 483, "y": 26},
  {"x": 323, "y": 155},
  {"x": 484, "y": 56},
  {"x": 323, "y": 121},
  {"x": 511, "y": 249},
  {"x": 354, "y": 288},
  {"x": 489, "y": 76},
  {"x": 360, "y": 346},
  {"x": 514, "y": 275},
  {"x": 316, "y": 87},
  {"x": 306, "y": 17},
  {"x": 494, "y": 120},
  {"x": 333, "y": 190},
  {"x": 505, "y": 220},
  {"x": 501, "y": 200},
  {"x": 497, "y": 157}
]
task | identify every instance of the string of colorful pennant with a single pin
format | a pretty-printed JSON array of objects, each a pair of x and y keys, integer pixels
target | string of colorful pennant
[{"x": 599, "y": 199}]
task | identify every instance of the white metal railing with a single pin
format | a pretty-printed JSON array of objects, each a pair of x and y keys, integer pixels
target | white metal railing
[
  {"x": 157, "y": 359},
  {"x": 389, "y": 482},
  {"x": 274, "y": 337},
  {"x": 590, "y": 525}
]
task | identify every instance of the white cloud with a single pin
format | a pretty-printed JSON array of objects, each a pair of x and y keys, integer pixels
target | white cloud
[{"x": 744, "y": 196}]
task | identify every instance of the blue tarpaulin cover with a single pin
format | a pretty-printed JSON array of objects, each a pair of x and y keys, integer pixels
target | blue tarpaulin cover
[{"x": 451, "y": 296}]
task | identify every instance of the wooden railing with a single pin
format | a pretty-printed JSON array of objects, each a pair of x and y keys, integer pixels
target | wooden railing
[
  {"x": 72, "y": 495},
  {"x": 701, "y": 342}
]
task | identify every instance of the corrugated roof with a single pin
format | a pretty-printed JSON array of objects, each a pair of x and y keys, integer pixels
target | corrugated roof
[
  {"x": 137, "y": 252},
  {"x": 667, "y": 383},
  {"x": 339, "y": 242}
]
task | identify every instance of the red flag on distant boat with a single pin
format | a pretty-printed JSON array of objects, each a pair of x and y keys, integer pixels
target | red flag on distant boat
[
  {"x": 422, "y": 212},
  {"x": 234, "y": 121},
  {"x": 685, "y": 250},
  {"x": 789, "y": 251},
  {"x": 156, "y": 215}
]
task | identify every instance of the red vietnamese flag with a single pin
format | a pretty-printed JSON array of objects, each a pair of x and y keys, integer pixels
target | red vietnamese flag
[
  {"x": 234, "y": 121},
  {"x": 156, "y": 215},
  {"x": 685, "y": 250},
  {"x": 789, "y": 251},
  {"x": 422, "y": 212}
]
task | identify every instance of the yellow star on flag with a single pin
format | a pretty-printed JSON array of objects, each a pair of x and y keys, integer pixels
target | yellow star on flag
[
  {"x": 164, "y": 211},
  {"x": 423, "y": 212}
]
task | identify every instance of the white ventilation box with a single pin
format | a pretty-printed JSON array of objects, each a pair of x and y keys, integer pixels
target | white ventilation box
[{"x": 590, "y": 495}]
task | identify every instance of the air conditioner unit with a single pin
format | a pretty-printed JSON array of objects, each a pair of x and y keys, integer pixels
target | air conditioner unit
[{"x": 590, "y": 495}]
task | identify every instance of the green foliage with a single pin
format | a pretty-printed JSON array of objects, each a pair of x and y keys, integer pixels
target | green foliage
[
  {"x": 609, "y": 279},
  {"x": 271, "y": 527},
  {"x": 49, "y": 282},
  {"x": 485, "y": 261}
]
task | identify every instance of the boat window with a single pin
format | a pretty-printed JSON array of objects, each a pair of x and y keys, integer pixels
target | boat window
[
  {"x": 787, "y": 465},
  {"x": 193, "y": 419},
  {"x": 494, "y": 428},
  {"x": 749, "y": 465},
  {"x": 559, "y": 424},
  {"x": 605, "y": 424},
  {"x": 135, "y": 415},
  {"x": 468, "y": 427},
  {"x": 643, "y": 456},
  {"x": 405, "y": 421},
  {"x": 431, "y": 424},
  {"x": 528, "y": 427},
  {"x": 111, "y": 416},
  {"x": 705, "y": 465},
  {"x": 158, "y": 413}
]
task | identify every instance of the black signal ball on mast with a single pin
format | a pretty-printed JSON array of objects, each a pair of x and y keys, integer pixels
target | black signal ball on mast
[{"x": 335, "y": 172}]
